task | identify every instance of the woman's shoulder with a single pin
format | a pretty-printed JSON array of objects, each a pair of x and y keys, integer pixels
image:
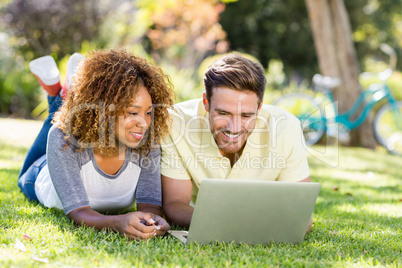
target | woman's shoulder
[
  {"x": 58, "y": 140},
  {"x": 56, "y": 136}
]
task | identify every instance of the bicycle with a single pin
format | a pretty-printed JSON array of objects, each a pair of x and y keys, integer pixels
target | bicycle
[{"x": 315, "y": 122}]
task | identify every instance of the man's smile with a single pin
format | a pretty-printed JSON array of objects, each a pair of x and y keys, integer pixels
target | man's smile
[{"x": 228, "y": 135}]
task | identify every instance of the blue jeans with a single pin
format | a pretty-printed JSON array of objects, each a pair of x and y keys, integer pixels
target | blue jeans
[{"x": 36, "y": 157}]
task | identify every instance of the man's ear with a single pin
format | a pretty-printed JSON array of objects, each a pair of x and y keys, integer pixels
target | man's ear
[
  {"x": 205, "y": 102},
  {"x": 262, "y": 101}
]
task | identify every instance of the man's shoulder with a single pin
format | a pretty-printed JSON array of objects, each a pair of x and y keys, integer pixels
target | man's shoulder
[
  {"x": 188, "y": 122},
  {"x": 187, "y": 108}
]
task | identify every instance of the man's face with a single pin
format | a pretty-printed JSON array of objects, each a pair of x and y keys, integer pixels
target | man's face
[{"x": 232, "y": 116}]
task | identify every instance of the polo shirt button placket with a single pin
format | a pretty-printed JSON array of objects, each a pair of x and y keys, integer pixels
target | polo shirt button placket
[{"x": 225, "y": 167}]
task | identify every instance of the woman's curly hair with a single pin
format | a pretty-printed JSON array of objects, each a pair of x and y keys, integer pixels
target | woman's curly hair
[{"x": 103, "y": 87}]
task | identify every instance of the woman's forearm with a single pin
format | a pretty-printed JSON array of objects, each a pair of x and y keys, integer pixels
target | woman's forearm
[
  {"x": 90, "y": 218},
  {"x": 137, "y": 225}
]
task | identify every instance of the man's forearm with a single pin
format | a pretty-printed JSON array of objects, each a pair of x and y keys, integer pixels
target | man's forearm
[
  {"x": 157, "y": 210},
  {"x": 178, "y": 213}
]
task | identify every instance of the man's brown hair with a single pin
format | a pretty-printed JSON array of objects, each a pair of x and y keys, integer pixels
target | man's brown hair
[{"x": 235, "y": 72}]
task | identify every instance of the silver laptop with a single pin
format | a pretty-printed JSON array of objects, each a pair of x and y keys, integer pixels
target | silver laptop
[{"x": 251, "y": 212}]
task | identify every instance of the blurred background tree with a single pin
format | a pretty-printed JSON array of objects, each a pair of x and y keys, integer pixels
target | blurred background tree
[
  {"x": 185, "y": 32},
  {"x": 41, "y": 27},
  {"x": 275, "y": 29},
  {"x": 272, "y": 29}
]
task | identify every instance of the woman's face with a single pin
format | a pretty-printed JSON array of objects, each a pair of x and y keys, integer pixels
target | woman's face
[{"x": 132, "y": 125}]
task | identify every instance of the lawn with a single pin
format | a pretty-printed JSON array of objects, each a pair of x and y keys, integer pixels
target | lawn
[{"x": 357, "y": 221}]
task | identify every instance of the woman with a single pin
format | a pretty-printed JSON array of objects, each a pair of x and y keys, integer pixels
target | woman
[{"x": 102, "y": 151}]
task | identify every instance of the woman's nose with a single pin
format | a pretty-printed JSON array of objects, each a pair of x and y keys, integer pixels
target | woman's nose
[{"x": 143, "y": 122}]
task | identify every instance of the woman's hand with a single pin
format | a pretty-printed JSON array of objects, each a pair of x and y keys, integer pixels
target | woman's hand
[
  {"x": 141, "y": 225},
  {"x": 135, "y": 225},
  {"x": 161, "y": 224}
]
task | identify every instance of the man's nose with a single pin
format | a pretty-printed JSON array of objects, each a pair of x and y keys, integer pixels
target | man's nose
[{"x": 234, "y": 125}]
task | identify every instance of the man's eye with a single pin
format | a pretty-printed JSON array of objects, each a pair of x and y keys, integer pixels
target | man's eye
[{"x": 248, "y": 115}]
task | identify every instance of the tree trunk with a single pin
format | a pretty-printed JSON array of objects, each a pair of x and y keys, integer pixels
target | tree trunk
[{"x": 337, "y": 58}]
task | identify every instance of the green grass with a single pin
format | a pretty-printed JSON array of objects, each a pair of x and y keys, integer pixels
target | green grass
[{"x": 357, "y": 222}]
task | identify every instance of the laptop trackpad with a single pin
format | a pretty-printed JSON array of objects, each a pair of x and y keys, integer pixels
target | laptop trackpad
[{"x": 181, "y": 235}]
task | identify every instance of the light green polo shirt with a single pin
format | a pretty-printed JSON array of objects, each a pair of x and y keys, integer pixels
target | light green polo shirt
[{"x": 274, "y": 151}]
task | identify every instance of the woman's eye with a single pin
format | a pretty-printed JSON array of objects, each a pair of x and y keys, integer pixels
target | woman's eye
[{"x": 134, "y": 113}]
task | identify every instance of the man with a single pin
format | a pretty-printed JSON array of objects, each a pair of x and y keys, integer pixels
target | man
[{"x": 229, "y": 134}]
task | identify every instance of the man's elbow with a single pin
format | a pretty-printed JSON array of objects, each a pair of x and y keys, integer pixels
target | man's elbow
[
  {"x": 168, "y": 208},
  {"x": 178, "y": 213},
  {"x": 172, "y": 211}
]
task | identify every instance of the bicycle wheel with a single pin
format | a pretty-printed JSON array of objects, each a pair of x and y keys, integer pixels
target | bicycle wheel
[
  {"x": 388, "y": 128},
  {"x": 310, "y": 114}
]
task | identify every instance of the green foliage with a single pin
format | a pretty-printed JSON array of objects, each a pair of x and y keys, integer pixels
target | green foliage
[
  {"x": 37, "y": 28},
  {"x": 375, "y": 22},
  {"x": 277, "y": 33},
  {"x": 32, "y": 29},
  {"x": 18, "y": 88},
  {"x": 183, "y": 32},
  {"x": 356, "y": 223},
  {"x": 272, "y": 29},
  {"x": 126, "y": 25},
  {"x": 20, "y": 91},
  {"x": 394, "y": 83},
  {"x": 186, "y": 84}
]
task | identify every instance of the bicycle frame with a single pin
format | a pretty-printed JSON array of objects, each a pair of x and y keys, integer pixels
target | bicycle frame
[
  {"x": 368, "y": 98},
  {"x": 316, "y": 119}
]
